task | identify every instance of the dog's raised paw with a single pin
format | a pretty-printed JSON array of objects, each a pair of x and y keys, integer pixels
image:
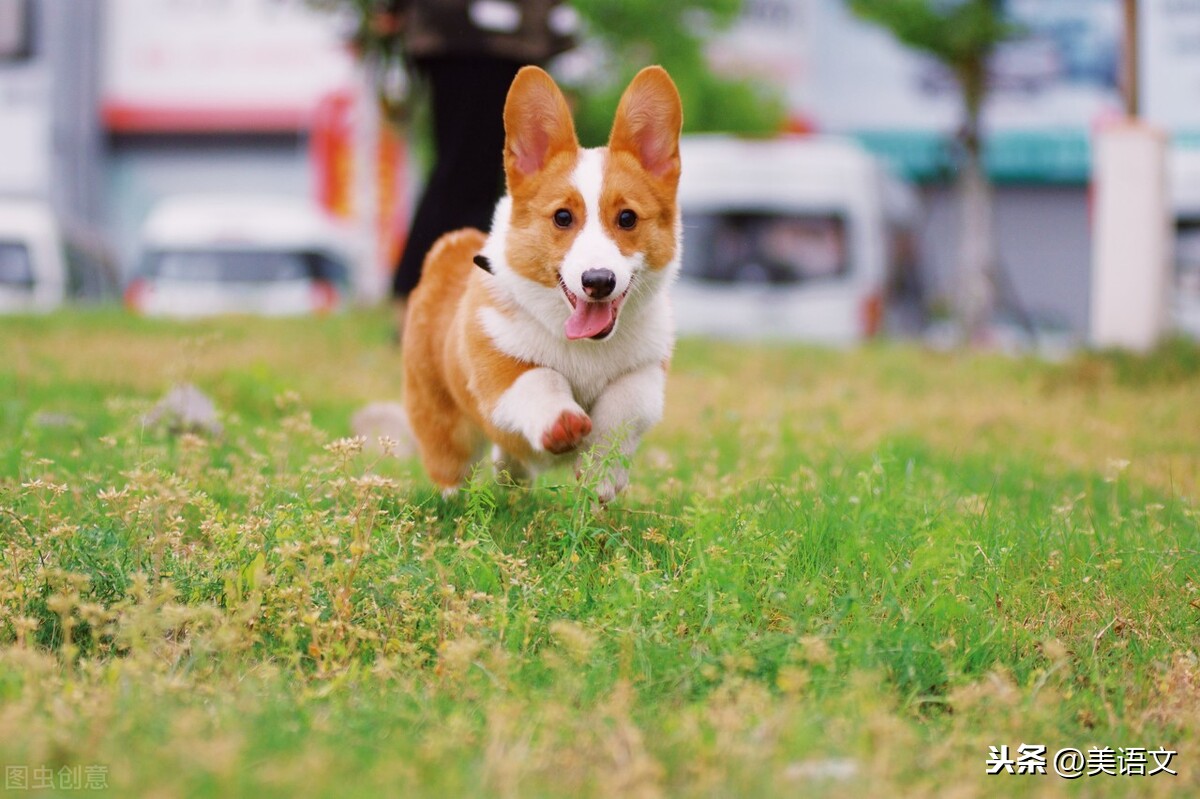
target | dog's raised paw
[{"x": 570, "y": 428}]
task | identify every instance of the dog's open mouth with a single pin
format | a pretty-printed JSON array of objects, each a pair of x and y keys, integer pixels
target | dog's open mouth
[{"x": 590, "y": 318}]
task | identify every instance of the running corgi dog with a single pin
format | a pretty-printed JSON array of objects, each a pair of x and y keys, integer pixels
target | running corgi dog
[{"x": 552, "y": 334}]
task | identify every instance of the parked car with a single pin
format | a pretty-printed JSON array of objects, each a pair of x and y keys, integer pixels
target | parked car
[
  {"x": 205, "y": 255},
  {"x": 33, "y": 272},
  {"x": 44, "y": 263},
  {"x": 796, "y": 237}
]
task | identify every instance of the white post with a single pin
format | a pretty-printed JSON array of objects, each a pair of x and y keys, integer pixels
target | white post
[{"x": 1131, "y": 237}]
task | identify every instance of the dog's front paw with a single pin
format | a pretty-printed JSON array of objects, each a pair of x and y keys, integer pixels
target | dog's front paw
[
  {"x": 567, "y": 431},
  {"x": 607, "y": 479}
]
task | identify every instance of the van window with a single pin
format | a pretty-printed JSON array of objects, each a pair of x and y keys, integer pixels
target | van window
[
  {"x": 16, "y": 267},
  {"x": 328, "y": 267},
  {"x": 243, "y": 266},
  {"x": 765, "y": 247},
  {"x": 16, "y": 30},
  {"x": 1187, "y": 259}
]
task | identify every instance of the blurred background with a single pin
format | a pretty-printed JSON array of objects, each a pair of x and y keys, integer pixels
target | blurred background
[{"x": 168, "y": 149}]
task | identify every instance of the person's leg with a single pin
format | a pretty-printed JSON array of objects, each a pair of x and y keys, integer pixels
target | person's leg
[{"x": 468, "y": 96}]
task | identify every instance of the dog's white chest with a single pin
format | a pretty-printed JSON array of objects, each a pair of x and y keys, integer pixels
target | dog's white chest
[{"x": 589, "y": 367}]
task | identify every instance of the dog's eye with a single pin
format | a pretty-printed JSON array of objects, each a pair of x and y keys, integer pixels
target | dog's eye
[
  {"x": 563, "y": 218},
  {"x": 626, "y": 219}
]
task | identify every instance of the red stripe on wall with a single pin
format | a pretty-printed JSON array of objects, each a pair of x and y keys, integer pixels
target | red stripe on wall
[{"x": 123, "y": 117}]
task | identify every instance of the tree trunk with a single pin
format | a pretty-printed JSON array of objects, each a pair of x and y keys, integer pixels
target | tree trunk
[
  {"x": 974, "y": 292},
  {"x": 974, "y": 289}
]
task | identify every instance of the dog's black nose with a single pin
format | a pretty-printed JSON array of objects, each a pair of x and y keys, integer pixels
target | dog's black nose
[{"x": 599, "y": 283}]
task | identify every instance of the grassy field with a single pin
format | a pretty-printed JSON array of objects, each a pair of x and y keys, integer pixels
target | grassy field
[{"x": 835, "y": 574}]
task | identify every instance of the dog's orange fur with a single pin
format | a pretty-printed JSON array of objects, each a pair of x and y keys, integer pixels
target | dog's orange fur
[
  {"x": 651, "y": 193},
  {"x": 448, "y": 359},
  {"x": 537, "y": 170}
]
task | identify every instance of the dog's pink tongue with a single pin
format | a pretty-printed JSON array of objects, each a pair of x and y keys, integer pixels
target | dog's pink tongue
[{"x": 588, "y": 319}]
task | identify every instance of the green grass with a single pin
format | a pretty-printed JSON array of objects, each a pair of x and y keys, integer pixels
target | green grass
[{"x": 835, "y": 573}]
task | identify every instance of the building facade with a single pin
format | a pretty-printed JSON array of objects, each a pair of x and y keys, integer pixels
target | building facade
[{"x": 107, "y": 106}]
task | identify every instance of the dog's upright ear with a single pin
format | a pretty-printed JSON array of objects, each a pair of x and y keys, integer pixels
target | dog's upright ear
[
  {"x": 648, "y": 123},
  {"x": 537, "y": 125}
]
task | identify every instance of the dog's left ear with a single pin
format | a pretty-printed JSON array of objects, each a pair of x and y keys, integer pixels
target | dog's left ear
[{"x": 648, "y": 123}]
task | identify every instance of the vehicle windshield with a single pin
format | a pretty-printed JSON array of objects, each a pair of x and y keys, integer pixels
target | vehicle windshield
[
  {"x": 16, "y": 267},
  {"x": 244, "y": 266},
  {"x": 765, "y": 247}
]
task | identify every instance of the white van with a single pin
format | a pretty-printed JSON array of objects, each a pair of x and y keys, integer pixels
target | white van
[
  {"x": 1184, "y": 175},
  {"x": 203, "y": 255},
  {"x": 804, "y": 238},
  {"x": 33, "y": 272}
]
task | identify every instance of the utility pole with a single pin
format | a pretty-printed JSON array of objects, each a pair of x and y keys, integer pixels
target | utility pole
[
  {"x": 1129, "y": 67},
  {"x": 1131, "y": 235}
]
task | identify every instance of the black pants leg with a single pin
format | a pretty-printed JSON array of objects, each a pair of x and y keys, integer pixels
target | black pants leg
[{"x": 468, "y": 95}]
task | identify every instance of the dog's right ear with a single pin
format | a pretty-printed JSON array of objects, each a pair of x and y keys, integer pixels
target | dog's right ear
[{"x": 537, "y": 125}]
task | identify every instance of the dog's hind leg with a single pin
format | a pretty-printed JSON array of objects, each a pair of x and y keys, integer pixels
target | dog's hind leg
[{"x": 449, "y": 446}]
